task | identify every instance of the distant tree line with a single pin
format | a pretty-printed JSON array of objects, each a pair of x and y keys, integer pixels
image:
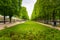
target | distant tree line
[{"x": 24, "y": 13}]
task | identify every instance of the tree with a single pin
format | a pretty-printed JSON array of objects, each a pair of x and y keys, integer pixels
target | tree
[
  {"x": 4, "y": 5},
  {"x": 15, "y": 9},
  {"x": 24, "y": 14}
]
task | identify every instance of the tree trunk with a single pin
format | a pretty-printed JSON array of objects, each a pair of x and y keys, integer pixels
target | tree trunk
[
  {"x": 59, "y": 20},
  {"x": 4, "y": 19},
  {"x": 10, "y": 17},
  {"x": 54, "y": 21}
]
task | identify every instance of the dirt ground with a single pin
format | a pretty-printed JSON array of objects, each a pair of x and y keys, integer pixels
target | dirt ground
[
  {"x": 50, "y": 26},
  {"x": 2, "y": 25}
]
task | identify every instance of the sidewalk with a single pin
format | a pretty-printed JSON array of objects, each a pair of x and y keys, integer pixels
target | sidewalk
[
  {"x": 49, "y": 26},
  {"x": 2, "y": 26}
]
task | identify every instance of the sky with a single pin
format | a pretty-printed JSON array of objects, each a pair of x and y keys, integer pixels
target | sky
[{"x": 29, "y": 4}]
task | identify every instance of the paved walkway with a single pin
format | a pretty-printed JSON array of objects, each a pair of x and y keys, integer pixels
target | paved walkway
[
  {"x": 2, "y": 26},
  {"x": 50, "y": 26}
]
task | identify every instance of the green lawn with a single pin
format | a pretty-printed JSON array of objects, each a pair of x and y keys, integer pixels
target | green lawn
[{"x": 29, "y": 31}]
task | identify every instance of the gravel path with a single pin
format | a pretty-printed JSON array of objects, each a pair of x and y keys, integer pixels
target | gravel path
[
  {"x": 50, "y": 26},
  {"x": 2, "y": 26}
]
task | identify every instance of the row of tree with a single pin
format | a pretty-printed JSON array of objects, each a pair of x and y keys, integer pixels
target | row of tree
[
  {"x": 10, "y": 8},
  {"x": 46, "y": 10}
]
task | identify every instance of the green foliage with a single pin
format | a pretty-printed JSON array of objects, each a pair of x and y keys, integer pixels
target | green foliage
[
  {"x": 10, "y": 7},
  {"x": 29, "y": 31},
  {"x": 24, "y": 14},
  {"x": 44, "y": 8}
]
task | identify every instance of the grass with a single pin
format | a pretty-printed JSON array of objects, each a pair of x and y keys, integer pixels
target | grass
[{"x": 29, "y": 31}]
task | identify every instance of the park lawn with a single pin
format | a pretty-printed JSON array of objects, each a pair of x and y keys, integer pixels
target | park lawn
[{"x": 29, "y": 30}]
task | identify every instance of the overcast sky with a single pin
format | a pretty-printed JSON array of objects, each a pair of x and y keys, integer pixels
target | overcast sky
[{"x": 29, "y": 4}]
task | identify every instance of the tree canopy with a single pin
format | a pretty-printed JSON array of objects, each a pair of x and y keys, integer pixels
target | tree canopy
[
  {"x": 10, "y": 8},
  {"x": 44, "y": 8},
  {"x": 24, "y": 13}
]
